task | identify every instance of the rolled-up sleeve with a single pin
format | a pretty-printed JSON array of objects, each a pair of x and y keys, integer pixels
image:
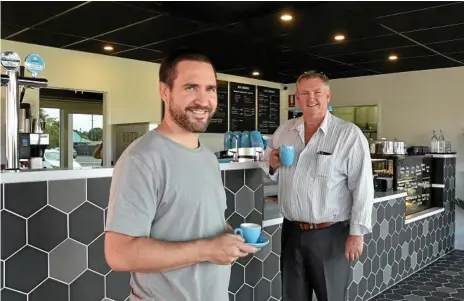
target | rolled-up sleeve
[
  {"x": 360, "y": 183},
  {"x": 267, "y": 154}
]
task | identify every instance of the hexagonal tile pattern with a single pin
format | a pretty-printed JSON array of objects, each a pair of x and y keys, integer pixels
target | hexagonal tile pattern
[
  {"x": 98, "y": 190},
  {"x": 66, "y": 195},
  {"x": 47, "y": 228},
  {"x": 50, "y": 290},
  {"x": 25, "y": 198},
  {"x": 74, "y": 255},
  {"x": 89, "y": 286},
  {"x": 357, "y": 272},
  {"x": 10, "y": 295},
  {"x": 384, "y": 229},
  {"x": 230, "y": 203},
  {"x": 86, "y": 223},
  {"x": 262, "y": 290},
  {"x": 244, "y": 201},
  {"x": 13, "y": 233},
  {"x": 28, "y": 259},
  {"x": 117, "y": 286},
  {"x": 237, "y": 277},
  {"x": 254, "y": 272},
  {"x": 97, "y": 260},
  {"x": 271, "y": 266}
]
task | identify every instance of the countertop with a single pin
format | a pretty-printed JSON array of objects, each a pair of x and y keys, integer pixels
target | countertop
[{"x": 83, "y": 173}]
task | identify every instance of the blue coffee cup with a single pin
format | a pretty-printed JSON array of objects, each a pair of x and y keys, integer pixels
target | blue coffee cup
[
  {"x": 249, "y": 231},
  {"x": 287, "y": 154}
]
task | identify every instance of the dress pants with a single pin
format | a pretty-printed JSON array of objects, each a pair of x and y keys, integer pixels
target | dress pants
[{"x": 314, "y": 261}]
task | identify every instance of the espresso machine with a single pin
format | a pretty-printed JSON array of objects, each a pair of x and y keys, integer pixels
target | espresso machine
[{"x": 25, "y": 140}]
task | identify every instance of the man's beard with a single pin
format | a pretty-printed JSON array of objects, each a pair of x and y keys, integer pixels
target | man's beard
[{"x": 180, "y": 117}]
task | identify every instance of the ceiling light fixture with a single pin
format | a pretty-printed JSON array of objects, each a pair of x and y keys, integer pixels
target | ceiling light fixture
[
  {"x": 255, "y": 73},
  {"x": 393, "y": 57},
  {"x": 286, "y": 17},
  {"x": 339, "y": 37},
  {"x": 108, "y": 48}
]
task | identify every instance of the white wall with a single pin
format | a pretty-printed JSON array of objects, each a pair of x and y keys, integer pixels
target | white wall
[{"x": 411, "y": 105}]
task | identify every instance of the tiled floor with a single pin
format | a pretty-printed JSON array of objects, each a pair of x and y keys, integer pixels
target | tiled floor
[{"x": 442, "y": 280}]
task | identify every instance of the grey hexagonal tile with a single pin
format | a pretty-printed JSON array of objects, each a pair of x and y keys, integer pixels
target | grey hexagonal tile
[
  {"x": 10, "y": 295},
  {"x": 25, "y": 198},
  {"x": 98, "y": 190},
  {"x": 34, "y": 261},
  {"x": 244, "y": 201},
  {"x": 237, "y": 277},
  {"x": 13, "y": 233},
  {"x": 254, "y": 178},
  {"x": 435, "y": 248},
  {"x": 414, "y": 260},
  {"x": 117, "y": 285},
  {"x": 66, "y": 195},
  {"x": 245, "y": 293},
  {"x": 50, "y": 290},
  {"x": 235, "y": 220},
  {"x": 68, "y": 261},
  {"x": 97, "y": 260},
  {"x": 47, "y": 228},
  {"x": 271, "y": 266},
  {"x": 405, "y": 250},
  {"x": 88, "y": 286},
  {"x": 262, "y": 290},
  {"x": 387, "y": 274},
  {"x": 253, "y": 272},
  {"x": 234, "y": 180},
  {"x": 264, "y": 252},
  {"x": 230, "y": 203},
  {"x": 357, "y": 272},
  {"x": 254, "y": 217},
  {"x": 86, "y": 223}
]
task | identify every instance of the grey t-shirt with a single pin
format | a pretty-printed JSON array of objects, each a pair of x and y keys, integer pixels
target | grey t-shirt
[{"x": 163, "y": 190}]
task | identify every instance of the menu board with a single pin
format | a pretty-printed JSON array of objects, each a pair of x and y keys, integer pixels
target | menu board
[
  {"x": 220, "y": 121},
  {"x": 268, "y": 110},
  {"x": 242, "y": 107}
]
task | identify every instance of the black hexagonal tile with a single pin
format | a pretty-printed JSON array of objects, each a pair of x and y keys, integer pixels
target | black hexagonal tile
[
  {"x": 97, "y": 260},
  {"x": 25, "y": 198},
  {"x": 230, "y": 203},
  {"x": 98, "y": 190},
  {"x": 237, "y": 277},
  {"x": 254, "y": 217},
  {"x": 235, "y": 220},
  {"x": 263, "y": 290},
  {"x": 117, "y": 285},
  {"x": 245, "y": 293},
  {"x": 231, "y": 297},
  {"x": 264, "y": 252},
  {"x": 33, "y": 261},
  {"x": 253, "y": 272},
  {"x": 367, "y": 267},
  {"x": 234, "y": 180},
  {"x": 47, "y": 228},
  {"x": 271, "y": 266},
  {"x": 88, "y": 286},
  {"x": 13, "y": 233},
  {"x": 259, "y": 199},
  {"x": 254, "y": 178},
  {"x": 86, "y": 223},
  {"x": 50, "y": 290},
  {"x": 9, "y": 295},
  {"x": 1, "y": 274},
  {"x": 276, "y": 241},
  {"x": 276, "y": 287}
]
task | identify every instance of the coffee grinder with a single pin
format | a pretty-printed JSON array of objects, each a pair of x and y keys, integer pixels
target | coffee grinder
[{"x": 25, "y": 142}]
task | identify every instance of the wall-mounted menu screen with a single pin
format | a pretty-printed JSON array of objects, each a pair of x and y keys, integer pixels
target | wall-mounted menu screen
[
  {"x": 220, "y": 121},
  {"x": 242, "y": 107},
  {"x": 268, "y": 110}
]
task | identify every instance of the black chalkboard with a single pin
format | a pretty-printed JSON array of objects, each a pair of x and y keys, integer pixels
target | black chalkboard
[
  {"x": 268, "y": 110},
  {"x": 220, "y": 121},
  {"x": 242, "y": 107}
]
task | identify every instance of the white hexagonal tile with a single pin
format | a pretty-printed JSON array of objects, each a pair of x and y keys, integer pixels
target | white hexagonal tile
[
  {"x": 68, "y": 261},
  {"x": 357, "y": 272},
  {"x": 405, "y": 250},
  {"x": 387, "y": 274},
  {"x": 384, "y": 229},
  {"x": 414, "y": 260}
]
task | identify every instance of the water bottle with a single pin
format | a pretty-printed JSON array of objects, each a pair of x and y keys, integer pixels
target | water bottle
[
  {"x": 441, "y": 143},
  {"x": 434, "y": 143}
]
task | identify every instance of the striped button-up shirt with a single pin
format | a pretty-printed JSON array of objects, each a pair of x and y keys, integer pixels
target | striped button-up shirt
[{"x": 330, "y": 179}]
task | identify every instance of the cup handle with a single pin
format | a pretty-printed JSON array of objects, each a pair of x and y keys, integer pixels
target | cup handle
[{"x": 238, "y": 231}]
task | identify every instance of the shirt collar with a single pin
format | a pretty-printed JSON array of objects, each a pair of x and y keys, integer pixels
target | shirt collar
[{"x": 299, "y": 124}]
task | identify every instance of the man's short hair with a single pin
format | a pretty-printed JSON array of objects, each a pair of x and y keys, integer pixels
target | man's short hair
[
  {"x": 315, "y": 74},
  {"x": 167, "y": 71}
]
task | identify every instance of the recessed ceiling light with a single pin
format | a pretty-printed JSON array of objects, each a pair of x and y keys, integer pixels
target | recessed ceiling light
[
  {"x": 108, "y": 48},
  {"x": 286, "y": 17},
  {"x": 393, "y": 57},
  {"x": 255, "y": 73},
  {"x": 339, "y": 37}
]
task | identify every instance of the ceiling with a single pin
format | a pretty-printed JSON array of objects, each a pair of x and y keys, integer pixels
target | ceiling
[{"x": 242, "y": 37}]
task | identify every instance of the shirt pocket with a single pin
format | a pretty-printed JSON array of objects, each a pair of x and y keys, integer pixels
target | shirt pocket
[{"x": 323, "y": 167}]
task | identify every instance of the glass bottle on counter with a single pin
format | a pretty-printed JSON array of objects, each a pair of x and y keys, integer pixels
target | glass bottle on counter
[
  {"x": 441, "y": 143},
  {"x": 434, "y": 143}
]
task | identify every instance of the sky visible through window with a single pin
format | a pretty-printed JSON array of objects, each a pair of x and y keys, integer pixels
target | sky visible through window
[{"x": 81, "y": 122}]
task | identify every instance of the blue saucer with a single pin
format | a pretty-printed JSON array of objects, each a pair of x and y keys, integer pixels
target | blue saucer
[{"x": 263, "y": 240}]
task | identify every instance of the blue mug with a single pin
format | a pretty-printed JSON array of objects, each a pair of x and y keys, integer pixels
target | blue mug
[
  {"x": 287, "y": 154},
  {"x": 245, "y": 139},
  {"x": 256, "y": 139},
  {"x": 250, "y": 232}
]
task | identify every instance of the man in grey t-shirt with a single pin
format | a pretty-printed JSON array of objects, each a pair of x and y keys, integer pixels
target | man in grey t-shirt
[{"x": 165, "y": 220}]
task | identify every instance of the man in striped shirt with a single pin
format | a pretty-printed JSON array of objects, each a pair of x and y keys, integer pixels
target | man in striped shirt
[{"x": 326, "y": 195}]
